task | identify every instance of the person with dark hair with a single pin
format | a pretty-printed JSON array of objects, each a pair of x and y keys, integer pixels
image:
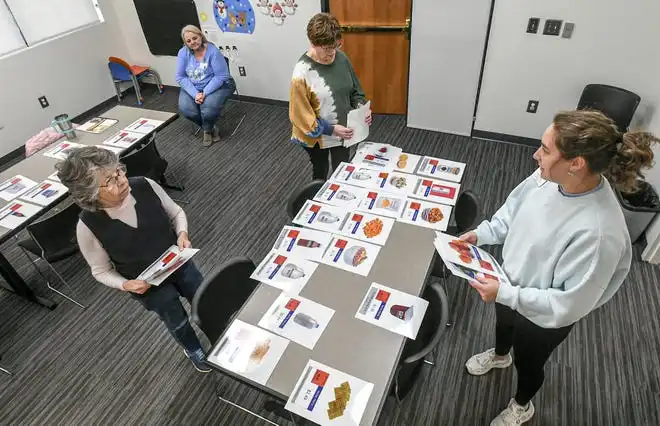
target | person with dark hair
[
  {"x": 324, "y": 88},
  {"x": 203, "y": 74},
  {"x": 125, "y": 225},
  {"x": 566, "y": 246}
]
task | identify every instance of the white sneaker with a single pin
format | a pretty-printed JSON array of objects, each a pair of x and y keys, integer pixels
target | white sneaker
[
  {"x": 484, "y": 362},
  {"x": 514, "y": 414}
]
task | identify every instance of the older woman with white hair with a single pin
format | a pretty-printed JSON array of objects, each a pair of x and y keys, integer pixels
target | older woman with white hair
[
  {"x": 203, "y": 74},
  {"x": 126, "y": 224}
]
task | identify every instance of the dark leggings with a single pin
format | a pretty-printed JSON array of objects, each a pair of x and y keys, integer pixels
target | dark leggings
[
  {"x": 532, "y": 345},
  {"x": 319, "y": 159}
]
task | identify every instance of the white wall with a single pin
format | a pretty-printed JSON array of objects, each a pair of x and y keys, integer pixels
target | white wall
[
  {"x": 614, "y": 42},
  {"x": 268, "y": 54},
  {"x": 446, "y": 51},
  {"x": 70, "y": 71}
]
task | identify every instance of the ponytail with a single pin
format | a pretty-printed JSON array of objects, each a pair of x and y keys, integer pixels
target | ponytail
[{"x": 633, "y": 154}]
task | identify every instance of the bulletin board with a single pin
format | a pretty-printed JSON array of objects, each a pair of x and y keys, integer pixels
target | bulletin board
[{"x": 162, "y": 22}]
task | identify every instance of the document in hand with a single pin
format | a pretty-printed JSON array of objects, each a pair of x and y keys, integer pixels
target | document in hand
[
  {"x": 466, "y": 260},
  {"x": 329, "y": 397},
  {"x": 357, "y": 121},
  {"x": 393, "y": 310},
  {"x": 166, "y": 264}
]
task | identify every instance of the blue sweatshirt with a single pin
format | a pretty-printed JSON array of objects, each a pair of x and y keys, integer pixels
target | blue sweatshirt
[
  {"x": 207, "y": 75},
  {"x": 565, "y": 254}
]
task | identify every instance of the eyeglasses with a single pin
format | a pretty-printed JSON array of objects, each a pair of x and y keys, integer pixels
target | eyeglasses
[{"x": 112, "y": 182}]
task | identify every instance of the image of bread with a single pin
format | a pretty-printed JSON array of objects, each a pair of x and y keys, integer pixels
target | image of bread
[
  {"x": 373, "y": 228},
  {"x": 260, "y": 351},
  {"x": 337, "y": 407}
]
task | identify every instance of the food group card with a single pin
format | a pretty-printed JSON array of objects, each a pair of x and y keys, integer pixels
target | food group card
[
  {"x": 383, "y": 203},
  {"x": 340, "y": 195},
  {"x": 351, "y": 255},
  {"x": 355, "y": 174},
  {"x": 368, "y": 227},
  {"x": 321, "y": 216},
  {"x": 302, "y": 242},
  {"x": 434, "y": 190},
  {"x": 283, "y": 271},
  {"x": 426, "y": 214},
  {"x": 441, "y": 169}
]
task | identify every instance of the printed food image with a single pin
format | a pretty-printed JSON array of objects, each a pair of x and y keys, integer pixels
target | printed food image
[
  {"x": 373, "y": 228},
  {"x": 326, "y": 217},
  {"x": 337, "y": 407},
  {"x": 389, "y": 203},
  {"x": 260, "y": 351},
  {"x": 398, "y": 182},
  {"x": 345, "y": 195},
  {"x": 362, "y": 175},
  {"x": 403, "y": 161},
  {"x": 292, "y": 271},
  {"x": 355, "y": 255},
  {"x": 432, "y": 215},
  {"x": 466, "y": 255}
]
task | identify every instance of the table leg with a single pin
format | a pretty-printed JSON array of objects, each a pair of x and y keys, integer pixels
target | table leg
[{"x": 20, "y": 287}]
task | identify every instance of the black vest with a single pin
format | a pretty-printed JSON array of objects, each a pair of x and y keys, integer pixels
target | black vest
[{"x": 133, "y": 249}]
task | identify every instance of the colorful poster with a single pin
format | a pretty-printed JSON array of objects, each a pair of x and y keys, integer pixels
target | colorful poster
[
  {"x": 281, "y": 270},
  {"x": 302, "y": 242},
  {"x": 97, "y": 125},
  {"x": 321, "y": 216},
  {"x": 60, "y": 150},
  {"x": 329, "y": 397},
  {"x": 355, "y": 175},
  {"x": 248, "y": 351},
  {"x": 15, "y": 186},
  {"x": 351, "y": 255},
  {"x": 383, "y": 203},
  {"x": 438, "y": 191},
  {"x": 166, "y": 265},
  {"x": 340, "y": 195},
  {"x": 426, "y": 214},
  {"x": 234, "y": 16},
  {"x": 441, "y": 169},
  {"x": 123, "y": 139},
  {"x": 298, "y": 319},
  {"x": 17, "y": 212},
  {"x": 144, "y": 125},
  {"x": 117, "y": 150},
  {"x": 396, "y": 183},
  {"x": 407, "y": 163},
  {"x": 393, "y": 310},
  {"x": 45, "y": 193},
  {"x": 368, "y": 227},
  {"x": 462, "y": 253}
]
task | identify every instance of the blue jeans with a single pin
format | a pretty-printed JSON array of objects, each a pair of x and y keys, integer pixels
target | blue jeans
[
  {"x": 206, "y": 114},
  {"x": 164, "y": 301}
]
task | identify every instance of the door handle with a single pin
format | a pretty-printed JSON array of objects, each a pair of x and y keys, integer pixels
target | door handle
[{"x": 378, "y": 28}]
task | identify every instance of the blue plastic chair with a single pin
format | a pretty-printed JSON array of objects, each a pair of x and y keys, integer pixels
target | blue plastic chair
[{"x": 121, "y": 71}]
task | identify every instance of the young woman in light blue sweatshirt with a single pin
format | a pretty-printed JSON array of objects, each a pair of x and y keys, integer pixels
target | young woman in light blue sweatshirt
[{"x": 566, "y": 246}]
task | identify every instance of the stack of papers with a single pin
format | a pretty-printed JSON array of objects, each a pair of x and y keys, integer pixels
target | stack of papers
[
  {"x": 340, "y": 195},
  {"x": 302, "y": 242},
  {"x": 466, "y": 260},
  {"x": 60, "y": 150},
  {"x": 321, "y": 216},
  {"x": 298, "y": 319},
  {"x": 248, "y": 351},
  {"x": 438, "y": 191},
  {"x": 392, "y": 310},
  {"x": 351, "y": 255},
  {"x": 282, "y": 271},
  {"x": 357, "y": 175},
  {"x": 166, "y": 265},
  {"x": 144, "y": 125},
  {"x": 15, "y": 186},
  {"x": 123, "y": 139},
  {"x": 17, "y": 212},
  {"x": 368, "y": 227},
  {"x": 357, "y": 121},
  {"x": 441, "y": 169},
  {"x": 426, "y": 214},
  {"x": 383, "y": 203},
  {"x": 46, "y": 193},
  {"x": 329, "y": 397},
  {"x": 97, "y": 125}
]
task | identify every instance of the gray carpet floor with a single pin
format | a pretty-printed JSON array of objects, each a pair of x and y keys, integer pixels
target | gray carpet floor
[{"x": 115, "y": 364}]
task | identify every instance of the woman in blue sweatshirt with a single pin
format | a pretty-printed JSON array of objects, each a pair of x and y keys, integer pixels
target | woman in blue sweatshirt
[
  {"x": 566, "y": 246},
  {"x": 202, "y": 73}
]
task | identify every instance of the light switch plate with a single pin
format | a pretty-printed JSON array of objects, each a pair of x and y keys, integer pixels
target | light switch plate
[{"x": 568, "y": 30}]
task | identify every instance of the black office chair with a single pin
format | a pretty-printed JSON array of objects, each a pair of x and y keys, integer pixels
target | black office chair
[
  {"x": 618, "y": 104},
  {"x": 146, "y": 161},
  {"x": 415, "y": 351},
  {"x": 51, "y": 240},
  {"x": 301, "y": 195}
]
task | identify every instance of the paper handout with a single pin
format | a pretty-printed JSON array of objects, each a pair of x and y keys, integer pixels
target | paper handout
[
  {"x": 407, "y": 163},
  {"x": 393, "y": 310},
  {"x": 144, "y": 125},
  {"x": 60, "y": 150},
  {"x": 281, "y": 270},
  {"x": 426, "y": 214},
  {"x": 15, "y": 186},
  {"x": 368, "y": 227},
  {"x": 329, "y": 397},
  {"x": 376, "y": 155},
  {"x": 321, "y": 216},
  {"x": 166, "y": 265},
  {"x": 97, "y": 125},
  {"x": 464, "y": 254},
  {"x": 383, "y": 203},
  {"x": 123, "y": 139},
  {"x": 355, "y": 175},
  {"x": 17, "y": 212},
  {"x": 396, "y": 182},
  {"x": 438, "y": 191},
  {"x": 302, "y": 242},
  {"x": 340, "y": 195},
  {"x": 249, "y": 351},
  {"x": 298, "y": 319},
  {"x": 441, "y": 169},
  {"x": 45, "y": 193},
  {"x": 351, "y": 255},
  {"x": 356, "y": 120}
]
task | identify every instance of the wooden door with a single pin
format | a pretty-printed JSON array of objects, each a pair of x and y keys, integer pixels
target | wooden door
[{"x": 376, "y": 38}]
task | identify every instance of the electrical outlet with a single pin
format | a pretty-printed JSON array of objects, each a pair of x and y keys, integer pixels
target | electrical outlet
[
  {"x": 568, "y": 30},
  {"x": 552, "y": 27},
  {"x": 533, "y": 25},
  {"x": 43, "y": 101},
  {"x": 241, "y": 71},
  {"x": 532, "y": 106}
]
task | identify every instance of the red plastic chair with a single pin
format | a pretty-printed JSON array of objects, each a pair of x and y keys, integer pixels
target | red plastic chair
[{"x": 121, "y": 71}]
